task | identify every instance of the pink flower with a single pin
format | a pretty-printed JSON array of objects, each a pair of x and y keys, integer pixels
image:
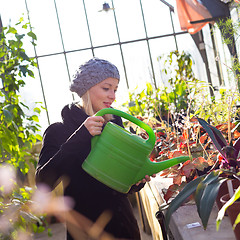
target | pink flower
[
  {"x": 7, "y": 178},
  {"x": 45, "y": 202}
]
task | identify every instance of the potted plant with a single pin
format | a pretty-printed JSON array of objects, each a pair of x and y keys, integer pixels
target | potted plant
[
  {"x": 232, "y": 207},
  {"x": 205, "y": 188}
]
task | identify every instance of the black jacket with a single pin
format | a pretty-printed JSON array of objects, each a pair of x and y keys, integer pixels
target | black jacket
[{"x": 66, "y": 144}]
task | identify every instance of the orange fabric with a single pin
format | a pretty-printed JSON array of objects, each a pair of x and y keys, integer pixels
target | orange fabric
[{"x": 191, "y": 10}]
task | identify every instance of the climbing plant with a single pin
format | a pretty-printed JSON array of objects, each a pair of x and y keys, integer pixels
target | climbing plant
[
  {"x": 18, "y": 134},
  {"x": 18, "y": 129}
]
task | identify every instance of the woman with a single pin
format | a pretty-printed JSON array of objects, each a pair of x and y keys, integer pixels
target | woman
[{"x": 66, "y": 145}]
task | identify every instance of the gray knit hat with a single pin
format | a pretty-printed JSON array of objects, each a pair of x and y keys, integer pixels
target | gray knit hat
[{"x": 91, "y": 73}]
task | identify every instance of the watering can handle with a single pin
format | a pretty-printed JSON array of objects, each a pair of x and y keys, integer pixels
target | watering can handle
[{"x": 151, "y": 136}]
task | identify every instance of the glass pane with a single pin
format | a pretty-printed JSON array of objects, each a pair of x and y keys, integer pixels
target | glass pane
[
  {"x": 101, "y": 23},
  {"x": 56, "y": 84},
  {"x": 10, "y": 14},
  {"x": 225, "y": 60},
  {"x": 137, "y": 60},
  {"x": 75, "y": 59},
  {"x": 198, "y": 64},
  {"x": 210, "y": 56},
  {"x": 74, "y": 26},
  {"x": 129, "y": 19},
  {"x": 45, "y": 26},
  {"x": 157, "y": 18},
  {"x": 157, "y": 50},
  {"x": 32, "y": 93}
]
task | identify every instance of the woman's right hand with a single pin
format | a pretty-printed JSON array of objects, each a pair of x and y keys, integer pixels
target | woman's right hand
[{"x": 94, "y": 125}]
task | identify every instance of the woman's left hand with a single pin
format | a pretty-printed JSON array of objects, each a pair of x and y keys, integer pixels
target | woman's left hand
[{"x": 146, "y": 179}]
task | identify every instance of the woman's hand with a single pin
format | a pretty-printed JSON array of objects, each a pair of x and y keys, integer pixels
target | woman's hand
[
  {"x": 94, "y": 124},
  {"x": 146, "y": 179}
]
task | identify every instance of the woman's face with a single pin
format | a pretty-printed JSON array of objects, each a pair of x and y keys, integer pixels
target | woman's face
[{"x": 102, "y": 95}]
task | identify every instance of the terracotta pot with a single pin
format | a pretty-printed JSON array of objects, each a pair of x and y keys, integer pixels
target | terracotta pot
[
  {"x": 224, "y": 190},
  {"x": 232, "y": 212}
]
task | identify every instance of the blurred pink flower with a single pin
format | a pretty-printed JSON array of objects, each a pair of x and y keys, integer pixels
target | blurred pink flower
[
  {"x": 7, "y": 178},
  {"x": 43, "y": 201},
  {"x": 5, "y": 224}
]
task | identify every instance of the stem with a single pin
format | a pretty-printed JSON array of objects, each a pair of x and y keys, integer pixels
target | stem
[{"x": 230, "y": 188}]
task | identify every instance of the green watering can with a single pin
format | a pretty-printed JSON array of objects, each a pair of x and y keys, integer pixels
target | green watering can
[{"x": 119, "y": 158}]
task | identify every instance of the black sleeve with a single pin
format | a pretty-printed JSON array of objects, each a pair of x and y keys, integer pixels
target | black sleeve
[
  {"x": 117, "y": 120},
  {"x": 58, "y": 155},
  {"x": 136, "y": 188}
]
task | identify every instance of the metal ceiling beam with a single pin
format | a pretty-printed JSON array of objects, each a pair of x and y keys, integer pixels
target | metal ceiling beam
[{"x": 168, "y": 4}]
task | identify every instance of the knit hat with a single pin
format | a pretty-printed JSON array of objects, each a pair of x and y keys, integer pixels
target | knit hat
[{"x": 91, "y": 73}]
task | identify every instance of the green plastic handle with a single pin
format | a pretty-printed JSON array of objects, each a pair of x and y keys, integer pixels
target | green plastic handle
[{"x": 151, "y": 136}]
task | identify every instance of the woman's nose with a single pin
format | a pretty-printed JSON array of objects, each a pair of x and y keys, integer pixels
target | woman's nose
[{"x": 112, "y": 95}]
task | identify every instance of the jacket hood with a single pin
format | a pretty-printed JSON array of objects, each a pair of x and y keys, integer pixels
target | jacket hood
[{"x": 73, "y": 115}]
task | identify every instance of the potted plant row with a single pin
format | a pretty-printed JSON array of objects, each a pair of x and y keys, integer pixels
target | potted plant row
[{"x": 205, "y": 188}]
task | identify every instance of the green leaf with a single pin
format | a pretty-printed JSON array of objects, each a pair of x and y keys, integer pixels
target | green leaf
[
  {"x": 38, "y": 137},
  {"x": 236, "y": 221},
  {"x": 180, "y": 88},
  {"x": 35, "y": 228},
  {"x": 23, "y": 167},
  {"x": 8, "y": 116},
  {"x": 23, "y": 70},
  {"x": 12, "y": 30},
  {"x": 189, "y": 189},
  {"x": 50, "y": 232},
  {"x": 35, "y": 118},
  {"x": 211, "y": 177},
  {"x": 222, "y": 211},
  {"x": 2, "y": 54},
  {"x": 32, "y": 35},
  {"x": 30, "y": 73},
  {"x": 41, "y": 229},
  {"x": 24, "y": 56},
  {"x": 237, "y": 146},
  {"x": 37, "y": 110},
  {"x": 19, "y": 36},
  {"x": 205, "y": 197},
  {"x": 25, "y": 26}
]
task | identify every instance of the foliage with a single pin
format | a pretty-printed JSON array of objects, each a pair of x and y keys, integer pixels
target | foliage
[
  {"x": 229, "y": 152},
  {"x": 18, "y": 130},
  {"x": 177, "y": 96},
  {"x": 222, "y": 211},
  {"x": 205, "y": 188},
  {"x": 218, "y": 109},
  {"x": 144, "y": 103},
  {"x": 18, "y": 134},
  {"x": 16, "y": 215},
  {"x": 182, "y": 96},
  {"x": 177, "y": 141},
  {"x": 182, "y": 84},
  {"x": 179, "y": 134},
  {"x": 229, "y": 28}
]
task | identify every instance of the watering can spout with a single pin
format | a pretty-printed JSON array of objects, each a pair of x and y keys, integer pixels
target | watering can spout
[{"x": 151, "y": 168}]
